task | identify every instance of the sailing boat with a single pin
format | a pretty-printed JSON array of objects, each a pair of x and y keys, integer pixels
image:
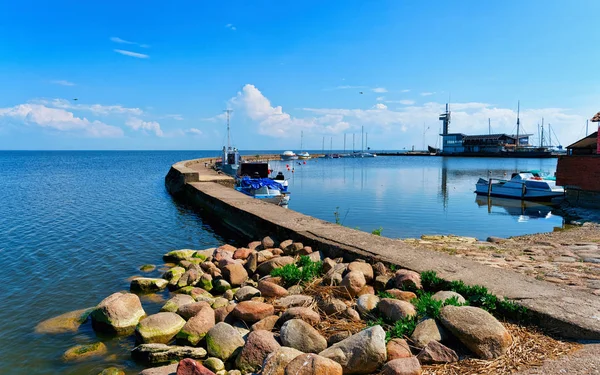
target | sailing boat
[
  {"x": 525, "y": 151},
  {"x": 303, "y": 154},
  {"x": 362, "y": 153}
]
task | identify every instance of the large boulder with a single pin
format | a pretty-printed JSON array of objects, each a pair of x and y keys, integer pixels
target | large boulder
[
  {"x": 188, "y": 366},
  {"x": 161, "y": 353},
  {"x": 407, "y": 279},
  {"x": 367, "y": 303},
  {"x": 67, "y": 322},
  {"x": 177, "y": 255},
  {"x": 300, "y": 335},
  {"x": 435, "y": 352},
  {"x": 235, "y": 273},
  {"x": 189, "y": 277},
  {"x": 190, "y": 309},
  {"x": 354, "y": 281},
  {"x": 443, "y": 295},
  {"x": 223, "y": 314},
  {"x": 397, "y": 348},
  {"x": 393, "y": 309},
  {"x": 252, "y": 311},
  {"x": 312, "y": 364},
  {"x": 426, "y": 331},
  {"x": 268, "y": 242},
  {"x": 84, "y": 352},
  {"x": 147, "y": 285},
  {"x": 402, "y": 366},
  {"x": 177, "y": 301},
  {"x": 265, "y": 268},
  {"x": 223, "y": 341},
  {"x": 159, "y": 328},
  {"x": 361, "y": 353},
  {"x": 196, "y": 328},
  {"x": 276, "y": 362},
  {"x": 305, "y": 313},
  {"x": 257, "y": 348},
  {"x": 477, "y": 329},
  {"x": 118, "y": 313}
]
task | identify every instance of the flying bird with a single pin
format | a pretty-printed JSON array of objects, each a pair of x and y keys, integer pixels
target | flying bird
[
  {"x": 360, "y": 92},
  {"x": 75, "y": 99}
]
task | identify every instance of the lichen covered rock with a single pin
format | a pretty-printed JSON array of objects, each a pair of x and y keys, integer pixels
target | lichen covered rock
[{"x": 118, "y": 313}]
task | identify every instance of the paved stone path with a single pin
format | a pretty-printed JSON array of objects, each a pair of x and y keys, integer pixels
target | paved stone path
[{"x": 567, "y": 257}]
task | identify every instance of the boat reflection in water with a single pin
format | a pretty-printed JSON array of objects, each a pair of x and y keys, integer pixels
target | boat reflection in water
[{"x": 523, "y": 210}]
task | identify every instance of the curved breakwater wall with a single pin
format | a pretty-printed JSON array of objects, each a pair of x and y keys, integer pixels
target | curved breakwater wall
[{"x": 567, "y": 312}]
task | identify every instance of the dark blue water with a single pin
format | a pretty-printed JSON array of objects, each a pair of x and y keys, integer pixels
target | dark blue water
[
  {"x": 75, "y": 225},
  {"x": 411, "y": 196}
]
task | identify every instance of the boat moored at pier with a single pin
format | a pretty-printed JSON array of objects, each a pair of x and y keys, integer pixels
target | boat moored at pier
[{"x": 521, "y": 186}]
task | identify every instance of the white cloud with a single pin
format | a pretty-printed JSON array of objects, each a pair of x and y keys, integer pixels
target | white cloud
[
  {"x": 427, "y": 93},
  {"x": 62, "y": 82},
  {"x": 404, "y": 101},
  {"x": 139, "y": 124},
  {"x": 174, "y": 117},
  {"x": 123, "y": 41},
  {"x": 97, "y": 109},
  {"x": 273, "y": 121},
  {"x": 231, "y": 27},
  {"x": 132, "y": 54},
  {"x": 379, "y": 89},
  {"x": 60, "y": 120},
  {"x": 218, "y": 118},
  {"x": 194, "y": 131},
  {"x": 405, "y": 90},
  {"x": 380, "y": 98},
  {"x": 380, "y": 106}
]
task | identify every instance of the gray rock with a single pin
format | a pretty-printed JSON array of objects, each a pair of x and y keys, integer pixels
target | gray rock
[
  {"x": 147, "y": 284},
  {"x": 178, "y": 255},
  {"x": 308, "y": 315},
  {"x": 332, "y": 306},
  {"x": 220, "y": 286},
  {"x": 159, "y": 328},
  {"x": 223, "y": 341},
  {"x": 354, "y": 281},
  {"x": 362, "y": 353},
  {"x": 173, "y": 304},
  {"x": 393, "y": 309},
  {"x": 246, "y": 293},
  {"x": 402, "y": 366},
  {"x": 443, "y": 295},
  {"x": 363, "y": 267},
  {"x": 188, "y": 310},
  {"x": 337, "y": 337},
  {"x": 300, "y": 335},
  {"x": 426, "y": 331},
  {"x": 477, "y": 329},
  {"x": 276, "y": 362},
  {"x": 161, "y": 353},
  {"x": 214, "y": 364},
  {"x": 255, "y": 351},
  {"x": 118, "y": 313},
  {"x": 196, "y": 328}
]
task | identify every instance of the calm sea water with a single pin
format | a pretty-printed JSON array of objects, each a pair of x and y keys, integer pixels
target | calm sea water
[
  {"x": 75, "y": 225},
  {"x": 411, "y": 196}
]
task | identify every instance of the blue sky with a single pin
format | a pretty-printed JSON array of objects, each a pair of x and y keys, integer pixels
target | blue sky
[{"x": 157, "y": 75}]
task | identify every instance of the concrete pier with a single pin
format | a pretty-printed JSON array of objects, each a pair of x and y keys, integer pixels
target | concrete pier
[{"x": 569, "y": 313}]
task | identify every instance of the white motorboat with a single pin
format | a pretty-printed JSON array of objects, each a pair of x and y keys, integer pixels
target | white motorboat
[
  {"x": 253, "y": 180},
  {"x": 304, "y": 156},
  {"x": 289, "y": 155},
  {"x": 521, "y": 186}
]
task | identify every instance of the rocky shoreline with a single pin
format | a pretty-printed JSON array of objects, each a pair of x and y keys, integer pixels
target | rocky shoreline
[{"x": 279, "y": 308}]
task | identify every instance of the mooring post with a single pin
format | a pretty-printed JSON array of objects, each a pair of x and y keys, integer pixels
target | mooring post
[
  {"x": 490, "y": 187},
  {"x": 523, "y": 190}
]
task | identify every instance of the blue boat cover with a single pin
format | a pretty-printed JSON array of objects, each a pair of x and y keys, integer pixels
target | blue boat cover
[{"x": 257, "y": 183}]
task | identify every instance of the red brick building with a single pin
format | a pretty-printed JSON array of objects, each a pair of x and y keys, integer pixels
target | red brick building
[{"x": 579, "y": 170}]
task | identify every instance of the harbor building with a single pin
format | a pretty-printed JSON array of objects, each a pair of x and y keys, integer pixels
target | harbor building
[
  {"x": 501, "y": 144},
  {"x": 579, "y": 170}
]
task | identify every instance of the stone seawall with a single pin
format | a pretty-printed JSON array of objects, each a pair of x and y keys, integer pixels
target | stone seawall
[{"x": 569, "y": 313}]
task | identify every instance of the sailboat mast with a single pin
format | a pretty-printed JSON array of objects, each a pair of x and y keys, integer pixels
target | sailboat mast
[
  {"x": 331, "y": 146},
  {"x": 301, "y": 137},
  {"x": 352, "y": 142},
  {"x": 367, "y": 140},
  {"x": 362, "y": 139},
  {"x": 323, "y": 144},
  {"x": 489, "y": 126},
  {"x": 228, "y": 111},
  {"x": 542, "y": 145},
  {"x": 518, "y": 123}
]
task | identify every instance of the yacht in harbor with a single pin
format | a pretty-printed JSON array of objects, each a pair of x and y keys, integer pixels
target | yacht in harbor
[
  {"x": 289, "y": 155},
  {"x": 303, "y": 155},
  {"x": 230, "y": 157}
]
